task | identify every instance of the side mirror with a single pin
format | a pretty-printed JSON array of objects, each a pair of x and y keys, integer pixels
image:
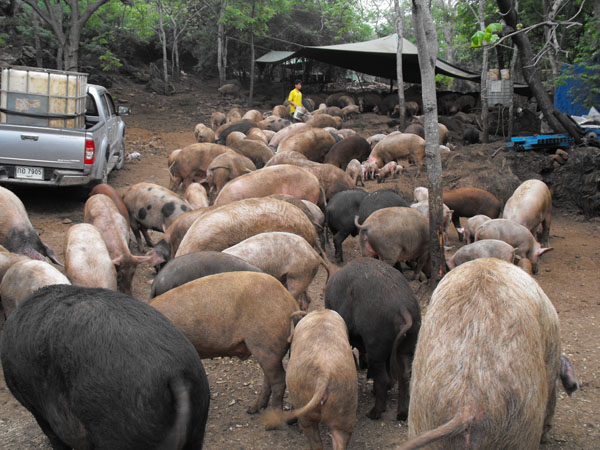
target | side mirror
[{"x": 123, "y": 111}]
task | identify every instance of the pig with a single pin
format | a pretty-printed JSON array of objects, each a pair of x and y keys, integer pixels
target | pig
[
  {"x": 269, "y": 134},
  {"x": 192, "y": 266},
  {"x": 367, "y": 101},
  {"x": 234, "y": 114},
  {"x": 423, "y": 208},
  {"x": 421, "y": 194},
  {"x": 471, "y": 227},
  {"x": 225, "y": 168},
  {"x": 313, "y": 143},
  {"x": 334, "y": 111},
  {"x": 411, "y": 109},
  {"x": 166, "y": 248},
  {"x": 288, "y": 157},
  {"x": 383, "y": 198},
  {"x": 204, "y": 134},
  {"x": 229, "y": 89},
  {"x": 352, "y": 147},
  {"x": 443, "y": 134},
  {"x": 233, "y": 137},
  {"x": 252, "y": 115},
  {"x": 323, "y": 120},
  {"x": 196, "y": 196},
  {"x": 310, "y": 210},
  {"x": 285, "y": 256},
  {"x": 24, "y": 278},
  {"x": 16, "y": 232},
  {"x": 7, "y": 259},
  {"x": 469, "y": 202},
  {"x": 525, "y": 265},
  {"x": 397, "y": 234},
  {"x": 350, "y": 111},
  {"x": 227, "y": 225},
  {"x": 318, "y": 217},
  {"x": 369, "y": 170},
  {"x": 117, "y": 198},
  {"x": 389, "y": 169},
  {"x": 415, "y": 128},
  {"x": 191, "y": 163},
  {"x": 217, "y": 119},
  {"x": 273, "y": 123},
  {"x": 87, "y": 261},
  {"x": 321, "y": 378},
  {"x": 355, "y": 171},
  {"x": 101, "y": 212},
  {"x": 470, "y": 136},
  {"x": 223, "y": 131},
  {"x": 256, "y": 134},
  {"x": 110, "y": 357},
  {"x": 170, "y": 159},
  {"x": 375, "y": 139},
  {"x": 287, "y": 131},
  {"x": 387, "y": 104},
  {"x": 516, "y": 235},
  {"x": 339, "y": 217},
  {"x": 399, "y": 146},
  {"x": 152, "y": 207},
  {"x": 281, "y": 179},
  {"x": 345, "y": 133},
  {"x": 332, "y": 179},
  {"x": 282, "y": 111},
  {"x": 531, "y": 206},
  {"x": 383, "y": 318},
  {"x": 469, "y": 386},
  {"x": 258, "y": 152},
  {"x": 236, "y": 314},
  {"x": 486, "y": 248}
]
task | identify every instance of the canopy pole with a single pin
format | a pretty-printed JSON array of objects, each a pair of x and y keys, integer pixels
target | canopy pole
[{"x": 391, "y": 85}]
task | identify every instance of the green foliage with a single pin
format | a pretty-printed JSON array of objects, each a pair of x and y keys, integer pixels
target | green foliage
[
  {"x": 443, "y": 82},
  {"x": 488, "y": 35},
  {"x": 110, "y": 62},
  {"x": 3, "y": 38}
]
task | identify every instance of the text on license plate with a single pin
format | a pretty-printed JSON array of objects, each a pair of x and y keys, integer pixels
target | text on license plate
[{"x": 32, "y": 173}]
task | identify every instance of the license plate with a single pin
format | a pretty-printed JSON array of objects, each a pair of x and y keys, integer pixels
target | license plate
[{"x": 31, "y": 173}]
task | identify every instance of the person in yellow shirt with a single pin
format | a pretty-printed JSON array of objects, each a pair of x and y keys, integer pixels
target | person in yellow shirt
[{"x": 295, "y": 97}]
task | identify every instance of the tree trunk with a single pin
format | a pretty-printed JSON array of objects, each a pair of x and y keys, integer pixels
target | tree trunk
[
  {"x": 251, "y": 56},
  {"x": 427, "y": 45},
  {"x": 39, "y": 60},
  {"x": 399, "y": 74},
  {"x": 485, "y": 111},
  {"x": 221, "y": 47},
  {"x": 163, "y": 40},
  {"x": 511, "y": 107},
  {"x": 532, "y": 74}
]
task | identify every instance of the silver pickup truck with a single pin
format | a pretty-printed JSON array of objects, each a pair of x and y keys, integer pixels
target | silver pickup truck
[{"x": 46, "y": 156}]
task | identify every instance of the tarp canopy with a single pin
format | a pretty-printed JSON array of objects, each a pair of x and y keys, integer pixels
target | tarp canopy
[{"x": 376, "y": 57}]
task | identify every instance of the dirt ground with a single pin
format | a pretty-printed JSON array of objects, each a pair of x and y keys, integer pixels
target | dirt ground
[{"x": 569, "y": 275}]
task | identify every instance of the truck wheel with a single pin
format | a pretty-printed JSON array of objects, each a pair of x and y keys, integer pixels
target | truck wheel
[{"x": 121, "y": 159}]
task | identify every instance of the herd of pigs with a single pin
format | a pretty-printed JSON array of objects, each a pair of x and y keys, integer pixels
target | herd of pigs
[{"x": 98, "y": 368}]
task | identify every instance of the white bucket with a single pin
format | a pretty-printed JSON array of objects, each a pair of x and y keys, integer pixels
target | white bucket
[{"x": 299, "y": 113}]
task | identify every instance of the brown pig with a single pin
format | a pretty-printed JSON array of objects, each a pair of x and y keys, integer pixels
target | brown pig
[
  {"x": 321, "y": 378},
  {"x": 322, "y": 121},
  {"x": 253, "y": 115},
  {"x": 332, "y": 179},
  {"x": 287, "y": 131},
  {"x": 312, "y": 211},
  {"x": 390, "y": 169},
  {"x": 236, "y": 314},
  {"x": 87, "y": 261},
  {"x": 229, "y": 224},
  {"x": 234, "y": 115},
  {"x": 486, "y": 248},
  {"x": 399, "y": 146},
  {"x": 516, "y": 235},
  {"x": 350, "y": 111},
  {"x": 204, "y": 134},
  {"x": 287, "y": 257},
  {"x": 226, "y": 167},
  {"x": 152, "y": 207},
  {"x": 24, "y": 278},
  {"x": 217, "y": 119},
  {"x": 352, "y": 147},
  {"x": 256, "y": 134},
  {"x": 469, "y": 202},
  {"x": 7, "y": 259},
  {"x": 471, "y": 227},
  {"x": 334, "y": 111},
  {"x": 313, "y": 143},
  {"x": 282, "y": 111},
  {"x": 258, "y": 152},
  {"x": 101, "y": 212},
  {"x": 396, "y": 234},
  {"x": 16, "y": 232},
  {"x": 423, "y": 208},
  {"x": 234, "y": 137},
  {"x": 273, "y": 123},
  {"x": 191, "y": 163},
  {"x": 282, "y": 179},
  {"x": 196, "y": 196},
  {"x": 486, "y": 364},
  {"x": 531, "y": 206},
  {"x": 287, "y": 157}
]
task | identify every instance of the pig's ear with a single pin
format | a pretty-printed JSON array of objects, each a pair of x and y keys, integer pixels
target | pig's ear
[
  {"x": 117, "y": 261},
  {"x": 50, "y": 253},
  {"x": 541, "y": 251},
  {"x": 143, "y": 259},
  {"x": 567, "y": 375}
]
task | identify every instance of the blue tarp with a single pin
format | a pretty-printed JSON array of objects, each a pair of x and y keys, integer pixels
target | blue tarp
[{"x": 564, "y": 97}]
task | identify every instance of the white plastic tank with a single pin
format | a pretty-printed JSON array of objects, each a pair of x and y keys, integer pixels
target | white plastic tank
[{"x": 40, "y": 93}]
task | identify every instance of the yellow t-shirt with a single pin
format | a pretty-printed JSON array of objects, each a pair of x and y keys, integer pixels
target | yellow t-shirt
[{"x": 296, "y": 97}]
